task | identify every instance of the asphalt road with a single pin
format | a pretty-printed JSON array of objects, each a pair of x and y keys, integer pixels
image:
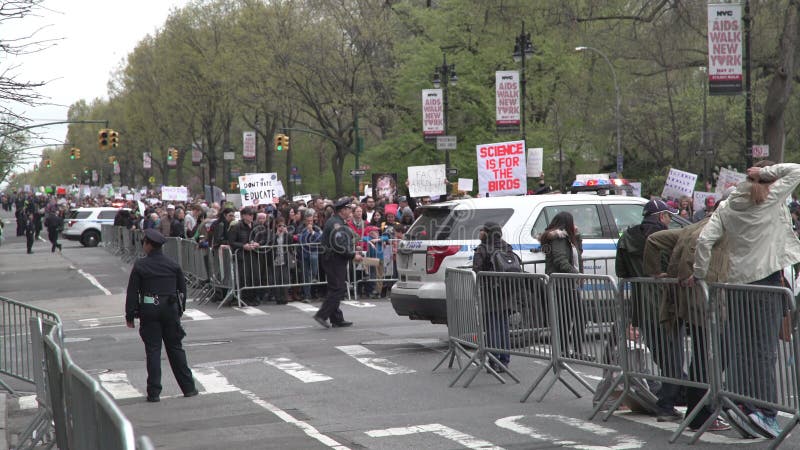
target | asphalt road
[{"x": 270, "y": 377}]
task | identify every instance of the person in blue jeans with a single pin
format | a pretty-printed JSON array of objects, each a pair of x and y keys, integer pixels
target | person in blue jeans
[
  {"x": 375, "y": 242},
  {"x": 309, "y": 239}
]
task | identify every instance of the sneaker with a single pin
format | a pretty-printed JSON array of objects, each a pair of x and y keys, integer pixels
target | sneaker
[
  {"x": 766, "y": 425},
  {"x": 742, "y": 426},
  {"x": 669, "y": 416},
  {"x": 342, "y": 324},
  {"x": 321, "y": 321},
  {"x": 716, "y": 425}
]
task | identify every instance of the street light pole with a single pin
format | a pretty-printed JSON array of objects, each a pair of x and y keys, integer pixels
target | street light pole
[
  {"x": 523, "y": 48},
  {"x": 616, "y": 109},
  {"x": 444, "y": 76}
]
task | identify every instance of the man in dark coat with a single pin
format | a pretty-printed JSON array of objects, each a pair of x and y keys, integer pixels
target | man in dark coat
[{"x": 243, "y": 246}]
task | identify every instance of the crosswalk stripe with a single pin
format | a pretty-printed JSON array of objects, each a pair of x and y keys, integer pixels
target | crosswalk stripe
[
  {"x": 305, "y": 307},
  {"x": 250, "y": 311},
  {"x": 358, "y": 304},
  {"x": 296, "y": 370},
  {"x": 212, "y": 380},
  {"x": 196, "y": 314},
  {"x": 117, "y": 384},
  {"x": 366, "y": 357}
]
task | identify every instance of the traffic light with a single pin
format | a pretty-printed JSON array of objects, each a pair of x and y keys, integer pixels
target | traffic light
[
  {"x": 280, "y": 142},
  {"x": 286, "y": 142},
  {"x": 234, "y": 186},
  {"x": 48, "y": 163},
  {"x": 113, "y": 137},
  {"x": 72, "y": 153},
  {"x": 102, "y": 139},
  {"x": 77, "y": 152}
]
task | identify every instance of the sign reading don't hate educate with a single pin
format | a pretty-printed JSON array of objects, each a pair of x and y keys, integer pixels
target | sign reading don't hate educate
[{"x": 259, "y": 188}]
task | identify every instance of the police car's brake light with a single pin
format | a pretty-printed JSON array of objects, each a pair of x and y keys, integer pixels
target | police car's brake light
[
  {"x": 436, "y": 254},
  {"x": 71, "y": 223}
]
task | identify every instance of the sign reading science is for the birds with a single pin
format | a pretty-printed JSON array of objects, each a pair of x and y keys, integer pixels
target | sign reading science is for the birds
[
  {"x": 501, "y": 169},
  {"x": 259, "y": 189}
]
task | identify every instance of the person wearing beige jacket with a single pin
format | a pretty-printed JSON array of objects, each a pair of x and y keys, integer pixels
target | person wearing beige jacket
[{"x": 687, "y": 306}]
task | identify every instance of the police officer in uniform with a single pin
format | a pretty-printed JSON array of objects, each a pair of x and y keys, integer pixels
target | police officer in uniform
[
  {"x": 156, "y": 294},
  {"x": 338, "y": 248}
]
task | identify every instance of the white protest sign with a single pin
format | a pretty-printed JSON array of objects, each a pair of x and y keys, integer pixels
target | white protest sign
[
  {"x": 699, "y": 201},
  {"x": 535, "y": 162},
  {"x": 584, "y": 177},
  {"x": 678, "y": 184},
  {"x": 427, "y": 180},
  {"x": 636, "y": 186},
  {"x": 728, "y": 178},
  {"x": 174, "y": 193},
  {"x": 305, "y": 198},
  {"x": 279, "y": 190},
  {"x": 368, "y": 191},
  {"x": 465, "y": 184},
  {"x": 501, "y": 168},
  {"x": 259, "y": 188}
]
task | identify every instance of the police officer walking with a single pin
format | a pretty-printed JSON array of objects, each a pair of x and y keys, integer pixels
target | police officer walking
[
  {"x": 156, "y": 294},
  {"x": 338, "y": 248}
]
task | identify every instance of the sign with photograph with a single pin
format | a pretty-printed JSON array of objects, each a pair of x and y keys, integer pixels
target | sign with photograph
[{"x": 384, "y": 186}]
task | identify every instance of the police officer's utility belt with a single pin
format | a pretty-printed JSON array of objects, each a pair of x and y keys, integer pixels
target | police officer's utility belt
[{"x": 156, "y": 299}]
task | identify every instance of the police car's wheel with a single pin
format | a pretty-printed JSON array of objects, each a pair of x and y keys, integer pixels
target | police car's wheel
[{"x": 90, "y": 238}]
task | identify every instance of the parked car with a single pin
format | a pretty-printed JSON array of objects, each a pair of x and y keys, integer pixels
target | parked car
[
  {"x": 446, "y": 234},
  {"x": 84, "y": 224}
]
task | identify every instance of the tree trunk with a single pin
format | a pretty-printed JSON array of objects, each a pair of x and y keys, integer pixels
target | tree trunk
[
  {"x": 780, "y": 87},
  {"x": 337, "y": 162}
]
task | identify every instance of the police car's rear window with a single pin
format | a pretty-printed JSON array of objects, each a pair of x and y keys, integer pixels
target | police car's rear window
[
  {"x": 74, "y": 214},
  {"x": 438, "y": 224}
]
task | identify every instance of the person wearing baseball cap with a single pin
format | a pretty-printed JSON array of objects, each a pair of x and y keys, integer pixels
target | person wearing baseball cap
[
  {"x": 338, "y": 248},
  {"x": 656, "y": 206}
]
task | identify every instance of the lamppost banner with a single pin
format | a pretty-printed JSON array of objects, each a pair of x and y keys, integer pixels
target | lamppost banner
[
  {"x": 249, "y": 143},
  {"x": 432, "y": 112},
  {"x": 502, "y": 169},
  {"x": 725, "y": 49},
  {"x": 197, "y": 156},
  {"x": 507, "y": 99},
  {"x": 148, "y": 163}
]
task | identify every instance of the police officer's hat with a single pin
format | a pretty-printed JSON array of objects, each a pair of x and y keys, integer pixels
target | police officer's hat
[
  {"x": 154, "y": 236},
  {"x": 342, "y": 203}
]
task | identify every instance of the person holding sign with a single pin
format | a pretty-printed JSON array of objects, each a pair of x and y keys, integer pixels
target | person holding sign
[{"x": 338, "y": 249}]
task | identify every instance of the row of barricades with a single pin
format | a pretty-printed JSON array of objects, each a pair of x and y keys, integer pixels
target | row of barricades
[
  {"x": 234, "y": 275},
  {"x": 73, "y": 411},
  {"x": 727, "y": 345}
]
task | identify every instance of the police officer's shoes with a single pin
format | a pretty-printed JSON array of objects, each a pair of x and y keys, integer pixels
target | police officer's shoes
[
  {"x": 342, "y": 324},
  {"x": 153, "y": 399},
  {"x": 321, "y": 321},
  {"x": 191, "y": 393}
]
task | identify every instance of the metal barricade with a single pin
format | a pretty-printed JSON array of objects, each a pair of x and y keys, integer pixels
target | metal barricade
[
  {"x": 128, "y": 250},
  {"x": 16, "y": 350},
  {"x": 171, "y": 249},
  {"x": 582, "y": 310},
  {"x": 755, "y": 353},
  {"x": 56, "y": 387},
  {"x": 115, "y": 432},
  {"x": 223, "y": 274},
  {"x": 591, "y": 266},
  {"x": 108, "y": 237},
  {"x": 274, "y": 267},
  {"x": 378, "y": 269}
]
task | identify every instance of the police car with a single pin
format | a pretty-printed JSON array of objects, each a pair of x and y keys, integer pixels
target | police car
[
  {"x": 446, "y": 234},
  {"x": 84, "y": 224}
]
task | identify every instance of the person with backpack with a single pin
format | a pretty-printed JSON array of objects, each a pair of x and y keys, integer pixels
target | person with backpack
[
  {"x": 494, "y": 254},
  {"x": 562, "y": 247}
]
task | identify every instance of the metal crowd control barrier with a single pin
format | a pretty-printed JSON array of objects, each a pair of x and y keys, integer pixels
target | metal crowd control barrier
[
  {"x": 107, "y": 237},
  {"x": 377, "y": 273},
  {"x": 16, "y": 351},
  {"x": 755, "y": 332},
  {"x": 591, "y": 266},
  {"x": 274, "y": 267},
  {"x": 582, "y": 310}
]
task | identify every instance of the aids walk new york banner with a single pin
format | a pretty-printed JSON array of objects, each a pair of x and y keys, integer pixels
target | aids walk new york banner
[
  {"x": 507, "y": 100},
  {"x": 432, "y": 113}
]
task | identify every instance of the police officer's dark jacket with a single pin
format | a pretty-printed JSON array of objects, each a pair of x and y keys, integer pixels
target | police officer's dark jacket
[
  {"x": 154, "y": 274},
  {"x": 337, "y": 238},
  {"x": 239, "y": 234}
]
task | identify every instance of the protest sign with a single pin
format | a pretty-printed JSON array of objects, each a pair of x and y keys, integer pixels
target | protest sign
[
  {"x": 305, "y": 198},
  {"x": 501, "y": 168},
  {"x": 699, "y": 200},
  {"x": 385, "y": 186},
  {"x": 427, "y": 180},
  {"x": 174, "y": 193},
  {"x": 535, "y": 162},
  {"x": 678, "y": 184},
  {"x": 259, "y": 188},
  {"x": 465, "y": 184},
  {"x": 432, "y": 112},
  {"x": 636, "y": 186},
  {"x": 728, "y": 178}
]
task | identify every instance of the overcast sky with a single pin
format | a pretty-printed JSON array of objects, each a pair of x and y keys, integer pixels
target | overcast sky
[{"x": 93, "y": 39}]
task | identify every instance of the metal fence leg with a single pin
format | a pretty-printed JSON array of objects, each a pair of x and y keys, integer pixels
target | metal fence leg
[
  {"x": 7, "y": 388},
  {"x": 451, "y": 353}
]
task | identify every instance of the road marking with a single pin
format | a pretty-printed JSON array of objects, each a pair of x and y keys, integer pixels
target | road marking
[
  {"x": 117, "y": 384},
  {"x": 712, "y": 438},
  {"x": 448, "y": 433},
  {"x": 94, "y": 281},
  {"x": 250, "y": 311},
  {"x": 288, "y": 418},
  {"x": 358, "y": 304},
  {"x": 196, "y": 314},
  {"x": 68, "y": 340},
  {"x": 624, "y": 442},
  {"x": 296, "y": 370},
  {"x": 304, "y": 307},
  {"x": 27, "y": 402},
  {"x": 365, "y": 356},
  {"x": 212, "y": 380}
]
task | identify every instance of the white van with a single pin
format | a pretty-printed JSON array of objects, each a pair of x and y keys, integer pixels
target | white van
[{"x": 446, "y": 234}]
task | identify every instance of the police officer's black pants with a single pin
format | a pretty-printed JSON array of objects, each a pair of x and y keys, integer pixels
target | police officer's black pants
[
  {"x": 29, "y": 240},
  {"x": 52, "y": 235},
  {"x": 335, "y": 267},
  {"x": 162, "y": 323}
]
